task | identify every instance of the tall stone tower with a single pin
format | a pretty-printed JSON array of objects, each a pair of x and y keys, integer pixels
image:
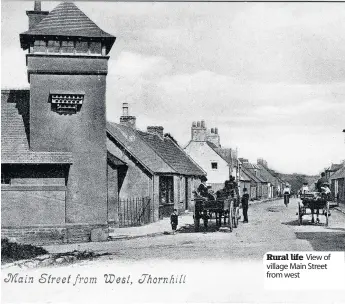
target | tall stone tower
[{"x": 67, "y": 65}]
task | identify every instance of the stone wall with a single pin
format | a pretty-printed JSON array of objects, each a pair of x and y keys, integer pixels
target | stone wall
[{"x": 51, "y": 235}]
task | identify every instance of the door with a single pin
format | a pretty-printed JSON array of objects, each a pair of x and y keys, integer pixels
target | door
[{"x": 186, "y": 192}]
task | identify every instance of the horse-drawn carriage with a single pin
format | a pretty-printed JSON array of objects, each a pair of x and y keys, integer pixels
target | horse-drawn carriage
[
  {"x": 227, "y": 210},
  {"x": 313, "y": 203}
]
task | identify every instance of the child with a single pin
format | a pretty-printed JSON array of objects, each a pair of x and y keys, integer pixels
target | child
[
  {"x": 205, "y": 218},
  {"x": 244, "y": 201},
  {"x": 174, "y": 221}
]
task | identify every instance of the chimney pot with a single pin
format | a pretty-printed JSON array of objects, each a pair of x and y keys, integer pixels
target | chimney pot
[
  {"x": 212, "y": 130},
  {"x": 198, "y": 124},
  {"x": 216, "y": 130},
  {"x": 203, "y": 123}
]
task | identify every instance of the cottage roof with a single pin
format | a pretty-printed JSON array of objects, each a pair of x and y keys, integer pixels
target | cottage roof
[
  {"x": 224, "y": 153},
  {"x": 252, "y": 176},
  {"x": 67, "y": 20},
  {"x": 158, "y": 155},
  {"x": 334, "y": 167},
  {"x": 15, "y": 132},
  {"x": 248, "y": 167},
  {"x": 267, "y": 175},
  {"x": 339, "y": 174}
]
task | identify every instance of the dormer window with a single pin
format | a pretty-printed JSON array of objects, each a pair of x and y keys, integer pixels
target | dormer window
[{"x": 66, "y": 103}]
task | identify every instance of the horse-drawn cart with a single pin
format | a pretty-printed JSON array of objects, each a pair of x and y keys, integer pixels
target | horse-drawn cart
[
  {"x": 206, "y": 209},
  {"x": 312, "y": 203}
]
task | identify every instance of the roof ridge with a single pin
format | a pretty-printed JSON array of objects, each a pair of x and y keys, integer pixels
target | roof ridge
[
  {"x": 136, "y": 132},
  {"x": 155, "y": 150},
  {"x": 184, "y": 152}
]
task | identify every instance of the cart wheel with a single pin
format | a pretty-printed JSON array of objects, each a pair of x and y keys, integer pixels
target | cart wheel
[
  {"x": 299, "y": 214},
  {"x": 327, "y": 213}
]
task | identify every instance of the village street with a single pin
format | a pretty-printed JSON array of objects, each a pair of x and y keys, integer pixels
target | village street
[{"x": 271, "y": 227}]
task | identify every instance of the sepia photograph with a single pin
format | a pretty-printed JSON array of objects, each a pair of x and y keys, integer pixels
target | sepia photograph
[{"x": 172, "y": 152}]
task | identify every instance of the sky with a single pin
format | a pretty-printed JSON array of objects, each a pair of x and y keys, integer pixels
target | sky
[{"x": 270, "y": 76}]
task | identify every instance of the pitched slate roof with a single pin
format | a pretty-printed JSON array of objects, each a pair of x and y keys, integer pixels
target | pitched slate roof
[
  {"x": 247, "y": 167},
  {"x": 224, "y": 153},
  {"x": 15, "y": 132},
  {"x": 334, "y": 167},
  {"x": 339, "y": 174},
  {"x": 66, "y": 20},
  {"x": 158, "y": 155},
  {"x": 251, "y": 175},
  {"x": 267, "y": 175},
  {"x": 172, "y": 154}
]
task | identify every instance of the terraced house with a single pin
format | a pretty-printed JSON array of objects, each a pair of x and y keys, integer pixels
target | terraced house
[{"x": 153, "y": 166}]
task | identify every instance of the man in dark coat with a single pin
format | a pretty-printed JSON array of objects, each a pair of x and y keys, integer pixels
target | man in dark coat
[
  {"x": 174, "y": 221},
  {"x": 321, "y": 181},
  {"x": 245, "y": 205},
  {"x": 202, "y": 189}
]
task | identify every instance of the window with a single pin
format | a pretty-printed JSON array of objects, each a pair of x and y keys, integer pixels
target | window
[
  {"x": 95, "y": 48},
  {"x": 81, "y": 47},
  {"x": 214, "y": 165},
  {"x": 53, "y": 46},
  {"x": 67, "y": 47},
  {"x": 40, "y": 46}
]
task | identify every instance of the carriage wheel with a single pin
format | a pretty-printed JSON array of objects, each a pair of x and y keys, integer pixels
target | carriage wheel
[
  {"x": 327, "y": 213},
  {"x": 299, "y": 214}
]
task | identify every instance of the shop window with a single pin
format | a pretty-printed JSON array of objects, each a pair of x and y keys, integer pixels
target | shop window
[
  {"x": 40, "y": 46},
  {"x": 53, "y": 46},
  {"x": 67, "y": 47},
  {"x": 214, "y": 165},
  {"x": 95, "y": 48},
  {"x": 81, "y": 47}
]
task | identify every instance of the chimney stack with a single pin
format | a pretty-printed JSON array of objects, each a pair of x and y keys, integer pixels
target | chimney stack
[
  {"x": 199, "y": 131},
  {"x": 36, "y": 15},
  {"x": 213, "y": 137},
  {"x": 125, "y": 119},
  {"x": 158, "y": 130}
]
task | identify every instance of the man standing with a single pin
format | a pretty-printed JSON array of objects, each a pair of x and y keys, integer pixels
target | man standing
[{"x": 245, "y": 203}]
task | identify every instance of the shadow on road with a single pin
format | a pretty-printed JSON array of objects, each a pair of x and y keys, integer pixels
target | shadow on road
[
  {"x": 324, "y": 241},
  {"x": 305, "y": 223},
  {"x": 190, "y": 229}
]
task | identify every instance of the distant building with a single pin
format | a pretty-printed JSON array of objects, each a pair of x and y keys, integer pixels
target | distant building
[
  {"x": 152, "y": 165},
  {"x": 205, "y": 149}
]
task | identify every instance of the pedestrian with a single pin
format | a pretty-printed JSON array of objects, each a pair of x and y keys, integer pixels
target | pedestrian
[
  {"x": 245, "y": 203},
  {"x": 174, "y": 221},
  {"x": 205, "y": 218}
]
